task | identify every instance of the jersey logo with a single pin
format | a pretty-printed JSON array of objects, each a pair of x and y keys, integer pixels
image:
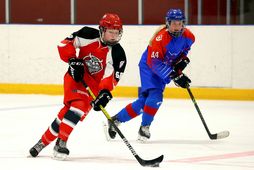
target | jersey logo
[
  {"x": 93, "y": 64},
  {"x": 121, "y": 64},
  {"x": 158, "y": 38}
]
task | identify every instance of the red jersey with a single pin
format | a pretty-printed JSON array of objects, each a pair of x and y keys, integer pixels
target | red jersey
[{"x": 103, "y": 64}]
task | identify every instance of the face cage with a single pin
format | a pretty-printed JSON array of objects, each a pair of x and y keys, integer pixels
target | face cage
[
  {"x": 102, "y": 31},
  {"x": 176, "y": 33}
]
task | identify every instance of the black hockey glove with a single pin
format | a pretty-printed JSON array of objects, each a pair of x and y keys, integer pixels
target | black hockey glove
[
  {"x": 181, "y": 64},
  {"x": 102, "y": 99},
  {"x": 76, "y": 69},
  {"x": 182, "y": 80}
]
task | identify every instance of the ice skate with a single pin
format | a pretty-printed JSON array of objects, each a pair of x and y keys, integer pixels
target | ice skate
[
  {"x": 144, "y": 134},
  {"x": 109, "y": 130},
  {"x": 60, "y": 150},
  {"x": 36, "y": 149}
]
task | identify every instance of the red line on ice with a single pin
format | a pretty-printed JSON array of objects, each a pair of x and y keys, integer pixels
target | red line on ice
[{"x": 214, "y": 157}]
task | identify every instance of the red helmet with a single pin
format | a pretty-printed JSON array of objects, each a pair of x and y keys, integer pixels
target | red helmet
[{"x": 111, "y": 21}]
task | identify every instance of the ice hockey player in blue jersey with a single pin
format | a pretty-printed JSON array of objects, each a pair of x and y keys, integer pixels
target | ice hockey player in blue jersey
[{"x": 163, "y": 60}]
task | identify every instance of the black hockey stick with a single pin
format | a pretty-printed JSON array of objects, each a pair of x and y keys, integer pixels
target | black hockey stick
[
  {"x": 219, "y": 135},
  {"x": 152, "y": 163}
]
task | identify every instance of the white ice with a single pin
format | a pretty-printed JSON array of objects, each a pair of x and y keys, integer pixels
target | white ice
[{"x": 177, "y": 132}]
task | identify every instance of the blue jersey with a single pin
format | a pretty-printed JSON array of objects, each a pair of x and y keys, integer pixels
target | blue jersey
[{"x": 158, "y": 59}]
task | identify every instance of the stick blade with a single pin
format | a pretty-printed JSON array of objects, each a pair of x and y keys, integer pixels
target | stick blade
[
  {"x": 223, "y": 134},
  {"x": 219, "y": 135},
  {"x": 150, "y": 163}
]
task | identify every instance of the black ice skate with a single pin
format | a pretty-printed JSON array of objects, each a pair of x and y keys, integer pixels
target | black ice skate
[
  {"x": 144, "y": 134},
  {"x": 60, "y": 150},
  {"x": 110, "y": 131},
  {"x": 36, "y": 149}
]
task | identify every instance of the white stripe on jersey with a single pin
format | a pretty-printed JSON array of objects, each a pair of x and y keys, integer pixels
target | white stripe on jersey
[
  {"x": 80, "y": 42},
  {"x": 109, "y": 64}
]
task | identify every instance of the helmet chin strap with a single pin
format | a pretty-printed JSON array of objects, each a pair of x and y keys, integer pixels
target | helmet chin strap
[{"x": 101, "y": 35}]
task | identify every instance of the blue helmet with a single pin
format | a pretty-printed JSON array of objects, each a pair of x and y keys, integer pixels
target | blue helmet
[{"x": 175, "y": 14}]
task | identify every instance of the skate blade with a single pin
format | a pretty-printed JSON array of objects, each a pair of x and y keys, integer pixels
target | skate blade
[
  {"x": 105, "y": 128},
  {"x": 59, "y": 156},
  {"x": 142, "y": 139}
]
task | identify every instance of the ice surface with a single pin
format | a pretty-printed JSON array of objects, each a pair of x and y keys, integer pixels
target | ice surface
[{"x": 177, "y": 132}]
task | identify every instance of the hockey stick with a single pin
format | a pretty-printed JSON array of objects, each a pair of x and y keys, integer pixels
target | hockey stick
[
  {"x": 219, "y": 135},
  {"x": 152, "y": 163}
]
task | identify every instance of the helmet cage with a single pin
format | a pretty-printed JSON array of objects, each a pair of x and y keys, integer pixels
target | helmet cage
[
  {"x": 110, "y": 21},
  {"x": 102, "y": 31},
  {"x": 175, "y": 15},
  {"x": 175, "y": 33}
]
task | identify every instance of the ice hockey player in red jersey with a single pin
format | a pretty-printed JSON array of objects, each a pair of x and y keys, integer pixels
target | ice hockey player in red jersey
[
  {"x": 100, "y": 63},
  {"x": 162, "y": 61}
]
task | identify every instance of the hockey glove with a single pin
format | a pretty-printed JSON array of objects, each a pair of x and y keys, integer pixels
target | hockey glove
[
  {"x": 102, "y": 99},
  {"x": 181, "y": 64},
  {"x": 76, "y": 69},
  {"x": 182, "y": 81}
]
